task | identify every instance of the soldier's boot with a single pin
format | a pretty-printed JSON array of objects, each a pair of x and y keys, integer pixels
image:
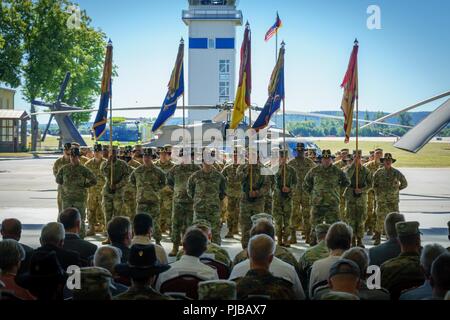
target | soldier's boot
[
  {"x": 174, "y": 251},
  {"x": 280, "y": 238},
  {"x": 377, "y": 239},
  {"x": 359, "y": 242},
  {"x": 293, "y": 239},
  {"x": 353, "y": 242}
]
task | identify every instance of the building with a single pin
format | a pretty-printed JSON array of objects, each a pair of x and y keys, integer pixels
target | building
[
  {"x": 212, "y": 54},
  {"x": 13, "y": 124}
]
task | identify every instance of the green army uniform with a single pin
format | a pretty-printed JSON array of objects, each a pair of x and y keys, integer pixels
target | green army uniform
[
  {"x": 233, "y": 194},
  {"x": 251, "y": 206},
  {"x": 61, "y": 162},
  {"x": 129, "y": 193},
  {"x": 217, "y": 290},
  {"x": 311, "y": 255},
  {"x": 370, "y": 223},
  {"x": 207, "y": 190},
  {"x": 341, "y": 164},
  {"x": 280, "y": 252},
  {"x": 74, "y": 181},
  {"x": 324, "y": 185},
  {"x": 166, "y": 198},
  {"x": 95, "y": 213},
  {"x": 387, "y": 184},
  {"x": 113, "y": 200},
  {"x": 182, "y": 211},
  {"x": 268, "y": 198},
  {"x": 301, "y": 200},
  {"x": 356, "y": 205},
  {"x": 84, "y": 160},
  {"x": 282, "y": 202},
  {"x": 402, "y": 272},
  {"x": 148, "y": 181}
]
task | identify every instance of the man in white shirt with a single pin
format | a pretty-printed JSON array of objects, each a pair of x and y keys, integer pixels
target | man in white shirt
[
  {"x": 194, "y": 245},
  {"x": 338, "y": 240},
  {"x": 142, "y": 230}
]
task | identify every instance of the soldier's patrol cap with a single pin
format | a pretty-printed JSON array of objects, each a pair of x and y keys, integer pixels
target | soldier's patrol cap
[
  {"x": 217, "y": 290},
  {"x": 321, "y": 228},
  {"x": 98, "y": 147},
  {"x": 261, "y": 216},
  {"x": 326, "y": 154},
  {"x": 167, "y": 148},
  {"x": 148, "y": 152},
  {"x": 378, "y": 150},
  {"x": 388, "y": 156},
  {"x": 75, "y": 152},
  {"x": 345, "y": 150},
  {"x": 75, "y": 145},
  {"x": 300, "y": 146},
  {"x": 94, "y": 281},
  {"x": 67, "y": 146},
  {"x": 202, "y": 222},
  {"x": 344, "y": 266},
  {"x": 407, "y": 228}
]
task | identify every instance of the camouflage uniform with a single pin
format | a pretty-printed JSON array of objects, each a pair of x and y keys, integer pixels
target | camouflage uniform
[
  {"x": 166, "y": 198},
  {"x": 282, "y": 202},
  {"x": 233, "y": 195},
  {"x": 215, "y": 252},
  {"x": 251, "y": 206},
  {"x": 301, "y": 200},
  {"x": 341, "y": 165},
  {"x": 84, "y": 160},
  {"x": 280, "y": 252},
  {"x": 217, "y": 290},
  {"x": 95, "y": 213},
  {"x": 113, "y": 200},
  {"x": 56, "y": 166},
  {"x": 387, "y": 185},
  {"x": 311, "y": 255},
  {"x": 370, "y": 223},
  {"x": 262, "y": 282},
  {"x": 148, "y": 181},
  {"x": 207, "y": 190},
  {"x": 74, "y": 181},
  {"x": 268, "y": 198},
  {"x": 324, "y": 185},
  {"x": 129, "y": 193},
  {"x": 356, "y": 206},
  {"x": 182, "y": 211}
]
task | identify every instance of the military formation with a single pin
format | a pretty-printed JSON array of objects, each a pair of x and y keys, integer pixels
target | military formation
[{"x": 312, "y": 189}]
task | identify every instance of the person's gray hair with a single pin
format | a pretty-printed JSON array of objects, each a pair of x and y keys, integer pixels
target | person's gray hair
[
  {"x": 52, "y": 233},
  {"x": 429, "y": 253},
  {"x": 390, "y": 222},
  {"x": 107, "y": 257},
  {"x": 261, "y": 247},
  {"x": 339, "y": 236},
  {"x": 11, "y": 253},
  {"x": 360, "y": 257}
]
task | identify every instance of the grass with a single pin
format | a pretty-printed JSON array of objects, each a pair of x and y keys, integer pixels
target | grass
[{"x": 433, "y": 155}]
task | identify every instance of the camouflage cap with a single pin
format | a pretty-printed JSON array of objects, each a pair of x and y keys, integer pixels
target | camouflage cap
[
  {"x": 322, "y": 228},
  {"x": 217, "y": 290},
  {"x": 261, "y": 216},
  {"x": 94, "y": 281},
  {"x": 345, "y": 150},
  {"x": 407, "y": 228},
  {"x": 378, "y": 150},
  {"x": 202, "y": 222},
  {"x": 75, "y": 152},
  {"x": 344, "y": 266},
  {"x": 75, "y": 145},
  {"x": 339, "y": 295}
]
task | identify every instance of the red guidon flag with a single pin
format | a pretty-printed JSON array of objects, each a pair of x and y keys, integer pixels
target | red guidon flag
[{"x": 350, "y": 85}]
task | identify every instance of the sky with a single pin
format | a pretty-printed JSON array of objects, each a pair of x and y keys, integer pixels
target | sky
[{"x": 405, "y": 61}]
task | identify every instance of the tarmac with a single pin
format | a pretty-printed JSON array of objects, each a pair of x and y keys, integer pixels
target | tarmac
[{"x": 28, "y": 193}]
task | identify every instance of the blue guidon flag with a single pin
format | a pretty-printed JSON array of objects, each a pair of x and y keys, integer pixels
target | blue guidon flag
[
  {"x": 273, "y": 29},
  {"x": 101, "y": 119},
  {"x": 276, "y": 93},
  {"x": 176, "y": 90}
]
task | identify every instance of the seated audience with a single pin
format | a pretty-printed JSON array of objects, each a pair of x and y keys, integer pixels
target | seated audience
[
  {"x": 119, "y": 235},
  {"x": 11, "y": 256},
  {"x": 12, "y": 229},
  {"x": 343, "y": 280},
  {"x": 52, "y": 239},
  {"x": 95, "y": 284},
  {"x": 259, "y": 280},
  {"x": 142, "y": 229},
  {"x": 440, "y": 276},
  {"x": 194, "y": 245},
  {"x": 404, "y": 272},
  {"x": 108, "y": 257},
  {"x": 141, "y": 268},
  {"x": 391, "y": 248},
  {"x": 71, "y": 220},
  {"x": 338, "y": 240},
  {"x": 429, "y": 254}
]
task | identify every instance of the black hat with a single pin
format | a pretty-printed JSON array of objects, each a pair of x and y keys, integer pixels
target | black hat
[
  {"x": 301, "y": 146},
  {"x": 44, "y": 269},
  {"x": 67, "y": 146},
  {"x": 344, "y": 266},
  {"x": 142, "y": 262},
  {"x": 326, "y": 154},
  {"x": 98, "y": 147},
  {"x": 388, "y": 156},
  {"x": 75, "y": 152},
  {"x": 148, "y": 152}
]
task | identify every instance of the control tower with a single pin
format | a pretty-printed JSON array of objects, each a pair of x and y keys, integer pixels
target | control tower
[{"x": 212, "y": 54}]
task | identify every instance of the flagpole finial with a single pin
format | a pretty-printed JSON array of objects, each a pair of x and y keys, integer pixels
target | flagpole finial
[
  {"x": 109, "y": 42},
  {"x": 283, "y": 44},
  {"x": 356, "y": 41},
  {"x": 182, "y": 40},
  {"x": 247, "y": 25}
]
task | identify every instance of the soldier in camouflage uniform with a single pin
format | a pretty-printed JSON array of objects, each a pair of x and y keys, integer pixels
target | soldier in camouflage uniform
[
  {"x": 324, "y": 183},
  {"x": 285, "y": 183},
  {"x": 206, "y": 188},
  {"x": 182, "y": 211},
  {"x": 233, "y": 195},
  {"x": 65, "y": 159},
  {"x": 217, "y": 290},
  {"x": 356, "y": 198},
  {"x": 252, "y": 198},
  {"x": 148, "y": 180},
  {"x": 301, "y": 200},
  {"x": 373, "y": 165},
  {"x": 341, "y": 164},
  {"x": 404, "y": 271},
  {"x": 95, "y": 213},
  {"x": 75, "y": 179},
  {"x": 165, "y": 164},
  {"x": 129, "y": 191},
  {"x": 84, "y": 154},
  {"x": 113, "y": 192},
  {"x": 387, "y": 183}
]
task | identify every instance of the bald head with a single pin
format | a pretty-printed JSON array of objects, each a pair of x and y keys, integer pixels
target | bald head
[
  {"x": 260, "y": 251},
  {"x": 11, "y": 229}
]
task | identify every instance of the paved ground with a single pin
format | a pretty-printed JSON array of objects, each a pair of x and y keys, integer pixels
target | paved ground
[{"x": 28, "y": 192}]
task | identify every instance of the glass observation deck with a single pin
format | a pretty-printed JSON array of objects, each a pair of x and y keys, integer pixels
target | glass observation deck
[{"x": 212, "y": 10}]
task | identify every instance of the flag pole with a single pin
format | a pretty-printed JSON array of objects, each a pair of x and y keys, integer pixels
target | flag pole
[
  {"x": 110, "y": 135},
  {"x": 184, "y": 107},
  {"x": 276, "y": 46},
  {"x": 357, "y": 123},
  {"x": 284, "y": 128},
  {"x": 249, "y": 154}
]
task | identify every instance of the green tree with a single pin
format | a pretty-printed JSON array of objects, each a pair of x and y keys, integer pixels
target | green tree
[{"x": 405, "y": 119}]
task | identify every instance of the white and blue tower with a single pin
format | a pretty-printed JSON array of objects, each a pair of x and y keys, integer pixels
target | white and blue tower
[{"x": 212, "y": 54}]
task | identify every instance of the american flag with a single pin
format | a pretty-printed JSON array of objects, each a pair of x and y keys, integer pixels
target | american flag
[{"x": 273, "y": 29}]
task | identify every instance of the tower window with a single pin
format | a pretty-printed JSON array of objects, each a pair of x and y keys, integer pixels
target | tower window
[
  {"x": 211, "y": 44},
  {"x": 224, "y": 81}
]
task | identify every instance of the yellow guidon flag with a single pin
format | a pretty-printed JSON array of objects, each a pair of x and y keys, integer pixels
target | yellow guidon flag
[
  {"x": 243, "y": 95},
  {"x": 350, "y": 85}
]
